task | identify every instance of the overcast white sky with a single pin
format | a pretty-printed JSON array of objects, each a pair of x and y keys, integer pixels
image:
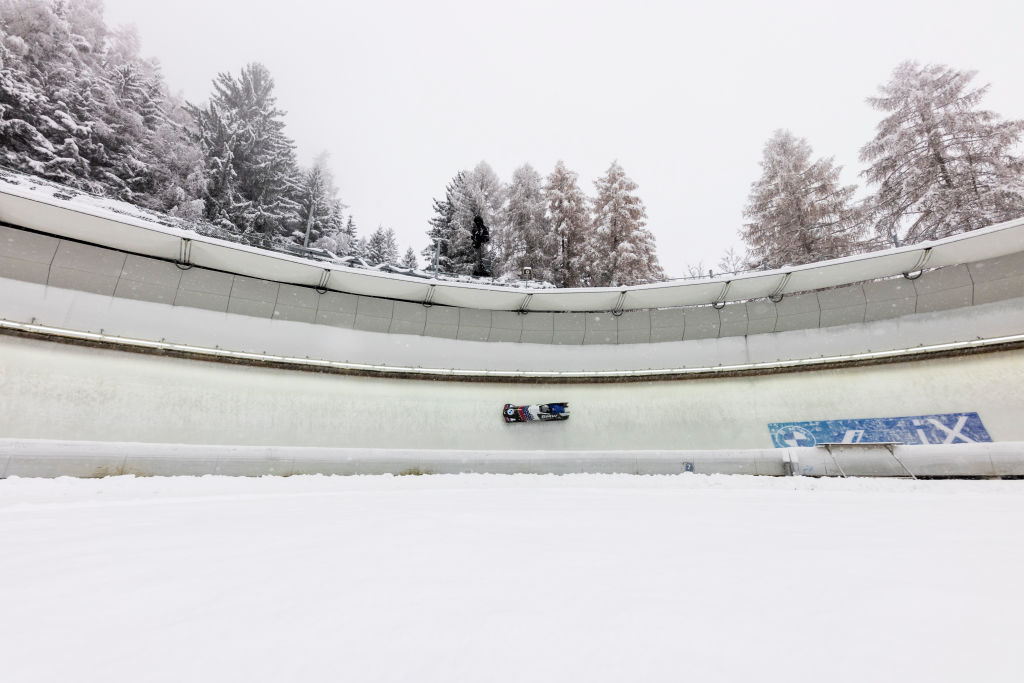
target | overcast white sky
[{"x": 405, "y": 94}]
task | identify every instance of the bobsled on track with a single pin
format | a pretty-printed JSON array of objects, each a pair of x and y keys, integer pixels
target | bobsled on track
[{"x": 543, "y": 412}]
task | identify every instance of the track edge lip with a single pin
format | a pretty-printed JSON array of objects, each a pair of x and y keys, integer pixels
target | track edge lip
[{"x": 192, "y": 352}]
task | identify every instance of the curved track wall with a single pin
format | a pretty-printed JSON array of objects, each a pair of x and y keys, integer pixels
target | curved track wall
[
  {"x": 75, "y": 266},
  {"x": 724, "y": 360},
  {"x": 61, "y": 391}
]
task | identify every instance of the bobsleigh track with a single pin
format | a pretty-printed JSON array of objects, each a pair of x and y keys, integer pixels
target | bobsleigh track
[{"x": 128, "y": 346}]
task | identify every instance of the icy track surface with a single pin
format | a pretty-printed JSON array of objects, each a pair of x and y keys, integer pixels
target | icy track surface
[{"x": 510, "y": 578}]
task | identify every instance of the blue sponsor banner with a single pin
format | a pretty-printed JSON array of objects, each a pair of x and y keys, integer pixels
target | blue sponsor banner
[{"x": 915, "y": 429}]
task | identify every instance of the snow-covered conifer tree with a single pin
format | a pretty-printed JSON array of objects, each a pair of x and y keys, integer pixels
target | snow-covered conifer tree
[
  {"x": 175, "y": 180},
  {"x": 525, "y": 237},
  {"x": 155, "y": 151},
  {"x": 624, "y": 245},
  {"x": 243, "y": 129},
  {"x": 941, "y": 164},
  {"x": 24, "y": 107},
  {"x": 224, "y": 203},
  {"x": 483, "y": 194},
  {"x": 409, "y": 260},
  {"x": 360, "y": 248},
  {"x": 442, "y": 225},
  {"x": 569, "y": 215},
  {"x": 67, "y": 57},
  {"x": 798, "y": 212},
  {"x": 80, "y": 106},
  {"x": 350, "y": 237},
  {"x": 53, "y": 96},
  {"x": 390, "y": 247},
  {"x": 381, "y": 247},
  {"x": 318, "y": 199}
]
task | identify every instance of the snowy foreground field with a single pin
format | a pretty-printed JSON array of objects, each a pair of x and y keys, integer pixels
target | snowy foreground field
[{"x": 510, "y": 578}]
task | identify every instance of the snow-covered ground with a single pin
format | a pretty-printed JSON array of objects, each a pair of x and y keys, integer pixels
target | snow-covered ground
[{"x": 510, "y": 578}]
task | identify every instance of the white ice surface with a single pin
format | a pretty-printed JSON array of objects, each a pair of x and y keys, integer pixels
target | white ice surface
[{"x": 510, "y": 578}]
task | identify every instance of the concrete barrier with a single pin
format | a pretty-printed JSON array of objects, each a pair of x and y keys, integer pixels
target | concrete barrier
[
  {"x": 45, "y": 458},
  {"x": 50, "y": 260}
]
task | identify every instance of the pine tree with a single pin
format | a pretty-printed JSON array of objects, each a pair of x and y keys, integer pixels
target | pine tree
[
  {"x": 941, "y": 164},
  {"x": 482, "y": 195},
  {"x": 80, "y": 106},
  {"x": 442, "y": 226},
  {"x": 469, "y": 194},
  {"x": 525, "y": 237},
  {"x": 176, "y": 177},
  {"x": 797, "y": 211},
  {"x": 51, "y": 94},
  {"x": 381, "y": 247},
  {"x": 569, "y": 216},
  {"x": 360, "y": 248},
  {"x": 390, "y": 247},
  {"x": 625, "y": 246},
  {"x": 253, "y": 175},
  {"x": 409, "y": 260},
  {"x": 23, "y": 107},
  {"x": 160, "y": 162},
  {"x": 320, "y": 209},
  {"x": 68, "y": 64},
  {"x": 224, "y": 204},
  {"x": 350, "y": 238}
]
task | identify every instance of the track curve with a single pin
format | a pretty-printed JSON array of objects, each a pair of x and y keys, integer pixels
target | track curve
[{"x": 946, "y": 343}]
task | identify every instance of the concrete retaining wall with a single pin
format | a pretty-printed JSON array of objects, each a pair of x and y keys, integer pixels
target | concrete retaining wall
[
  {"x": 71, "y": 265},
  {"x": 77, "y": 311},
  {"x": 23, "y": 458}
]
